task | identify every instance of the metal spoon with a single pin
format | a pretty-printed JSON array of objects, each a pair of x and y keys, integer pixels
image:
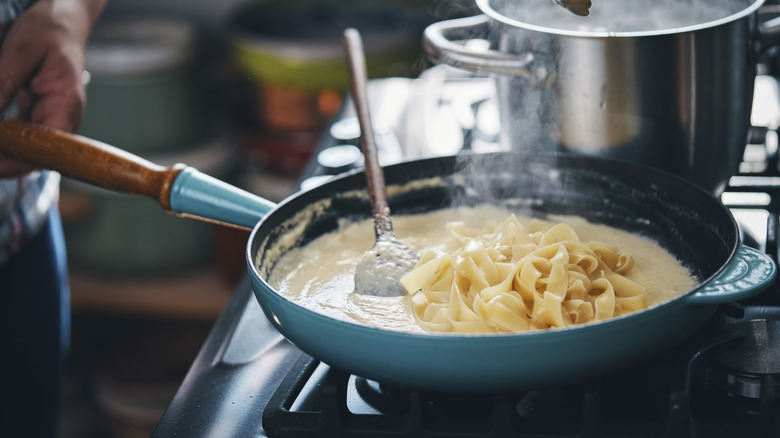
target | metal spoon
[
  {"x": 579, "y": 7},
  {"x": 380, "y": 269}
]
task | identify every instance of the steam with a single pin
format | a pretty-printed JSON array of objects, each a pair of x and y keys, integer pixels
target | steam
[{"x": 519, "y": 183}]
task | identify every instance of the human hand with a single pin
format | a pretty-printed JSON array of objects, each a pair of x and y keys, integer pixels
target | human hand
[{"x": 42, "y": 66}]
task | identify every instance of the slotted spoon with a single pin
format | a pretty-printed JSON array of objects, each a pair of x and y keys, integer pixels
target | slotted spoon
[{"x": 380, "y": 269}]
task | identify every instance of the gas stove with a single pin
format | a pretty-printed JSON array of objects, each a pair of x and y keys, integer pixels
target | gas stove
[{"x": 249, "y": 381}]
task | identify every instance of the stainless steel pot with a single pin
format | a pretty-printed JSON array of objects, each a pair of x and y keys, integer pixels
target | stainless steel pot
[{"x": 664, "y": 83}]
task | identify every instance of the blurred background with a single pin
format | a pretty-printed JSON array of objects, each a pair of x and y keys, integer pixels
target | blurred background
[{"x": 242, "y": 90}]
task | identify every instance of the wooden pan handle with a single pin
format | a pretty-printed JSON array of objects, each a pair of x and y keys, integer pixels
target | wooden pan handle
[{"x": 86, "y": 160}]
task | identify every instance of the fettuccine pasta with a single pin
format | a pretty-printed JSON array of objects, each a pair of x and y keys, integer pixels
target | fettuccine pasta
[{"x": 506, "y": 277}]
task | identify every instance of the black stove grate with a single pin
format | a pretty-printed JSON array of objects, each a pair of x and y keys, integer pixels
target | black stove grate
[
  {"x": 673, "y": 396},
  {"x": 413, "y": 413}
]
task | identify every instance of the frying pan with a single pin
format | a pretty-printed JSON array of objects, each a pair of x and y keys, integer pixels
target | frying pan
[{"x": 686, "y": 220}]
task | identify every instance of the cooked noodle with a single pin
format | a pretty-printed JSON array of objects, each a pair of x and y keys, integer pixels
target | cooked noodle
[{"x": 507, "y": 278}]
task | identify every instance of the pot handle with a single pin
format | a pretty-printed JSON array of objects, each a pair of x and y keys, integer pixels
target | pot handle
[
  {"x": 443, "y": 43},
  {"x": 749, "y": 273},
  {"x": 179, "y": 189}
]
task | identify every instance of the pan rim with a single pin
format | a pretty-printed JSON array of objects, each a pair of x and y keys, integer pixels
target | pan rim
[{"x": 648, "y": 312}]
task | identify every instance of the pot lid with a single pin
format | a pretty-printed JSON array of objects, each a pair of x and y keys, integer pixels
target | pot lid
[{"x": 618, "y": 18}]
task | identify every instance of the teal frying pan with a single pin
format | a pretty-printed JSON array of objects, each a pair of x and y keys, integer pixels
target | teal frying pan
[{"x": 689, "y": 222}]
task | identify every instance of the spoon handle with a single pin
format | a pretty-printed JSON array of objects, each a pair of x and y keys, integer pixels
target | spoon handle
[
  {"x": 374, "y": 177},
  {"x": 86, "y": 160}
]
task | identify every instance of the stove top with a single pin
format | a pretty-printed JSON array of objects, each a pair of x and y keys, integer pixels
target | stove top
[{"x": 249, "y": 381}]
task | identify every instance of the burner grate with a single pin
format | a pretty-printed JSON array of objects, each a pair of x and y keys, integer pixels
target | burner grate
[
  {"x": 600, "y": 409},
  {"x": 677, "y": 395},
  {"x": 730, "y": 395}
]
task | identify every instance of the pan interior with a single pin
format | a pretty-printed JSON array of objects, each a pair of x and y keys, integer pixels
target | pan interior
[{"x": 687, "y": 221}]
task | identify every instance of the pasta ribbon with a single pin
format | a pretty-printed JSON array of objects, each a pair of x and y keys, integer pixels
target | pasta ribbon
[{"x": 506, "y": 277}]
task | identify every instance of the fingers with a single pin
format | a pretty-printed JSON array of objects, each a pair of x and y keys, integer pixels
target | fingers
[
  {"x": 49, "y": 91},
  {"x": 58, "y": 93},
  {"x": 20, "y": 57},
  {"x": 15, "y": 68},
  {"x": 10, "y": 168}
]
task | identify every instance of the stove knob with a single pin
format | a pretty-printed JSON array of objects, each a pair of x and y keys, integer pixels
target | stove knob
[
  {"x": 339, "y": 158},
  {"x": 314, "y": 181},
  {"x": 346, "y": 131}
]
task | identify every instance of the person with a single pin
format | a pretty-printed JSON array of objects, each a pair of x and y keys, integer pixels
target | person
[{"x": 41, "y": 79}]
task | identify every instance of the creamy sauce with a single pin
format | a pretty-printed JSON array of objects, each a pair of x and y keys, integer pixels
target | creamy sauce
[{"x": 320, "y": 276}]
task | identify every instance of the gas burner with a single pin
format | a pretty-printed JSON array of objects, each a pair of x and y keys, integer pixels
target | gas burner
[
  {"x": 734, "y": 374},
  {"x": 317, "y": 400},
  {"x": 388, "y": 399},
  {"x": 750, "y": 369}
]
